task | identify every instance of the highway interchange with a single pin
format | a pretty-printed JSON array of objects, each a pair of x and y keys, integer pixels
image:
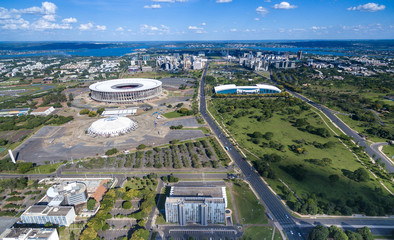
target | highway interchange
[{"x": 294, "y": 228}]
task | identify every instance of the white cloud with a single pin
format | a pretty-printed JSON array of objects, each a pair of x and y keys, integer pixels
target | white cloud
[
  {"x": 284, "y": 5},
  {"x": 153, "y": 6},
  {"x": 201, "y": 31},
  {"x": 14, "y": 24},
  {"x": 267, "y": 0},
  {"x": 70, "y": 20},
  {"x": 86, "y": 26},
  {"x": 46, "y": 8},
  {"x": 101, "y": 27},
  {"x": 42, "y": 24},
  {"x": 223, "y": 1},
  {"x": 318, "y": 28},
  {"x": 368, "y": 7},
  {"x": 256, "y": 19},
  {"x": 233, "y": 30},
  {"x": 5, "y": 14},
  {"x": 169, "y": 1},
  {"x": 151, "y": 29},
  {"x": 203, "y": 23},
  {"x": 194, "y": 28},
  {"x": 49, "y": 17},
  {"x": 120, "y": 29},
  {"x": 261, "y": 10}
]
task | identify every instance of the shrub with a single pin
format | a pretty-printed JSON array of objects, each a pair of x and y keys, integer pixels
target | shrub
[
  {"x": 127, "y": 205},
  {"x": 84, "y": 111}
]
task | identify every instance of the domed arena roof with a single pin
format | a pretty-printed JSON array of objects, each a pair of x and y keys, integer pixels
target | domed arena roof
[{"x": 112, "y": 126}]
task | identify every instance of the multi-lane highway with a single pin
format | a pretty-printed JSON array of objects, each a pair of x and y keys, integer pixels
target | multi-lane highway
[{"x": 294, "y": 228}]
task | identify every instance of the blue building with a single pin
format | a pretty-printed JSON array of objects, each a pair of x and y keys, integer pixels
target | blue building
[{"x": 257, "y": 89}]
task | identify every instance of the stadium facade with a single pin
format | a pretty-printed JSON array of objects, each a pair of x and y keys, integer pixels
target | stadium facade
[
  {"x": 125, "y": 90},
  {"x": 190, "y": 205},
  {"x": 257, "y": 89}
]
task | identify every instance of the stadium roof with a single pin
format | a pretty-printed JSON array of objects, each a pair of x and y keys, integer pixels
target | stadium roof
[{"x": 125, "y": 85}]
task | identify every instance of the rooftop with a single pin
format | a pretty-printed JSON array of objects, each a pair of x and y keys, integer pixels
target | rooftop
[
  {"x": 30, "y": 233},
  {"x": 48, "y": 211}
]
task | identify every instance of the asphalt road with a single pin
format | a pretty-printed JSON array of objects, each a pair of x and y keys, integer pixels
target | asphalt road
[{"x": 293, "y": 227}]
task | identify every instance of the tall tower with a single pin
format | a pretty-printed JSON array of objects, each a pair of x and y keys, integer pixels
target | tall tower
[{"x": 11, "y": 156}]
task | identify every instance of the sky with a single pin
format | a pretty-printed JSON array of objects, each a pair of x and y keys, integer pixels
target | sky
[{"x": 166, "y": 20}]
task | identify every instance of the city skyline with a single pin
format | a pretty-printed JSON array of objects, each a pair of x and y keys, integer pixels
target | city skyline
[{"x": 167, "y": 20}]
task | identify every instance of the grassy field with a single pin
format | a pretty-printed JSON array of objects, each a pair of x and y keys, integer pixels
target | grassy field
[
  {"x": 357, "y": 126},
  {"x": 315, "y": 176},
  {"x": 389, "y": 151},
  {"x": 173, "y": 114},
  {"x": 260, "y": 233},
  {"x": 230, "y": 204},
  {"x": 250, "y": 210},
  {"x": 42, "y": 169}
]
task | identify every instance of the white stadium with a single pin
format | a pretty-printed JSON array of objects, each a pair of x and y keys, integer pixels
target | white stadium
[
  {"x": 112, "y": 126},
  {"x": 125, "y": 90}
]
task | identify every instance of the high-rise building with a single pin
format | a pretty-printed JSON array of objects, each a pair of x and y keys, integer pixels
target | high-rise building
[
  {"x": 299, "y": 55},
  {"x": 204, "y": 205}
]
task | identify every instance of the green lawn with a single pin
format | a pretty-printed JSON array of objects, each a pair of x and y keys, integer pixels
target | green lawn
[
  {"x": 250, "y": 210},
  {"x": 357, "y": 126},
  {"x": 389, "y": 151},
  {"x": 260, "y": 233},
  {"x": 49, "y": 168},
  {"x": 173, "y": 114},
  {"x": 315, "y": 176},
  {"x": 230, "y": 204},
  {"x": 139, "y": 184}
]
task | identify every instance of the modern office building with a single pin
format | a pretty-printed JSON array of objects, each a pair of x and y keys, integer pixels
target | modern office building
[
  {"x": 125, "y": 90},
  {"x": 67, "y": 193},
  {"x": 257, "y": 89},
  {"x": 188, "y": 205},
  {"x": 41, "y": 214},
  {"x": 30, "y": 234}
]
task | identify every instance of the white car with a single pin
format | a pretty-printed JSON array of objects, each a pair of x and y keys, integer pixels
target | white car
[{"x": 291, "y": 232}]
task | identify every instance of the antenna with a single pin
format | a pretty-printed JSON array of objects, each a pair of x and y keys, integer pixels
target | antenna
[{"x": 11, "y": 156}]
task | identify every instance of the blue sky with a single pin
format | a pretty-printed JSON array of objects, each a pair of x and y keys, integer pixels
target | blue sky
[{"x": 142, "y": 20}]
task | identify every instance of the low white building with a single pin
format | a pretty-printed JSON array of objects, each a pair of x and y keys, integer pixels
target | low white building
[
  {"x": 42, "y": 111},
  {"x": 30, "y": 234},
  {"x": 40, "y": 214}
]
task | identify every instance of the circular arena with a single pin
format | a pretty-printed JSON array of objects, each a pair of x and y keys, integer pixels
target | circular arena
[
  {"x": 125, "y": 90},
  {"x": 112, "y": 127}
]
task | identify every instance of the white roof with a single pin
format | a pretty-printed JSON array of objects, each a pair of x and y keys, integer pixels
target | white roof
[
  {"x": 121, "y": 112},
  {"x": 113, "y": 85},
  {"x": 232, "y": 86},
  {"x": 112, "y": 126}
]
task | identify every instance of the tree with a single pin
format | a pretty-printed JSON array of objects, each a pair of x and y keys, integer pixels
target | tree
[
  {"x": 70, "y": 97},
  {"x": 111, "y": 151},
  {"x": 92, "y": 113},
  {"x": 127, "y": 205},
  {"x": 336, "y": 233},
  {"x": 91, "y": 204},
  {"x": 353, "y": 236},
  {"x": 130, "y": 194},
  {"x": 365, "y": 232},
  {"x": 333, "y": 178},
  {"x": 84, "y": 111},
  {"x": 100, "y": 111},
  {"x": 88, "y": 234},
  {"x": 318, "y": 233},
  {"x": 140, "y": 234},
  {"x": 268, "y": 135},
  {"x": 141, "y": 146},
  {"x": 25, "y": 167},
  {"x": 361, "y": 175}
]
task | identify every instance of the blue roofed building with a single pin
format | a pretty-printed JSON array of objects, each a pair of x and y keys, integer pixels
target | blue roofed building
[{"x": 257, "y": 89}]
